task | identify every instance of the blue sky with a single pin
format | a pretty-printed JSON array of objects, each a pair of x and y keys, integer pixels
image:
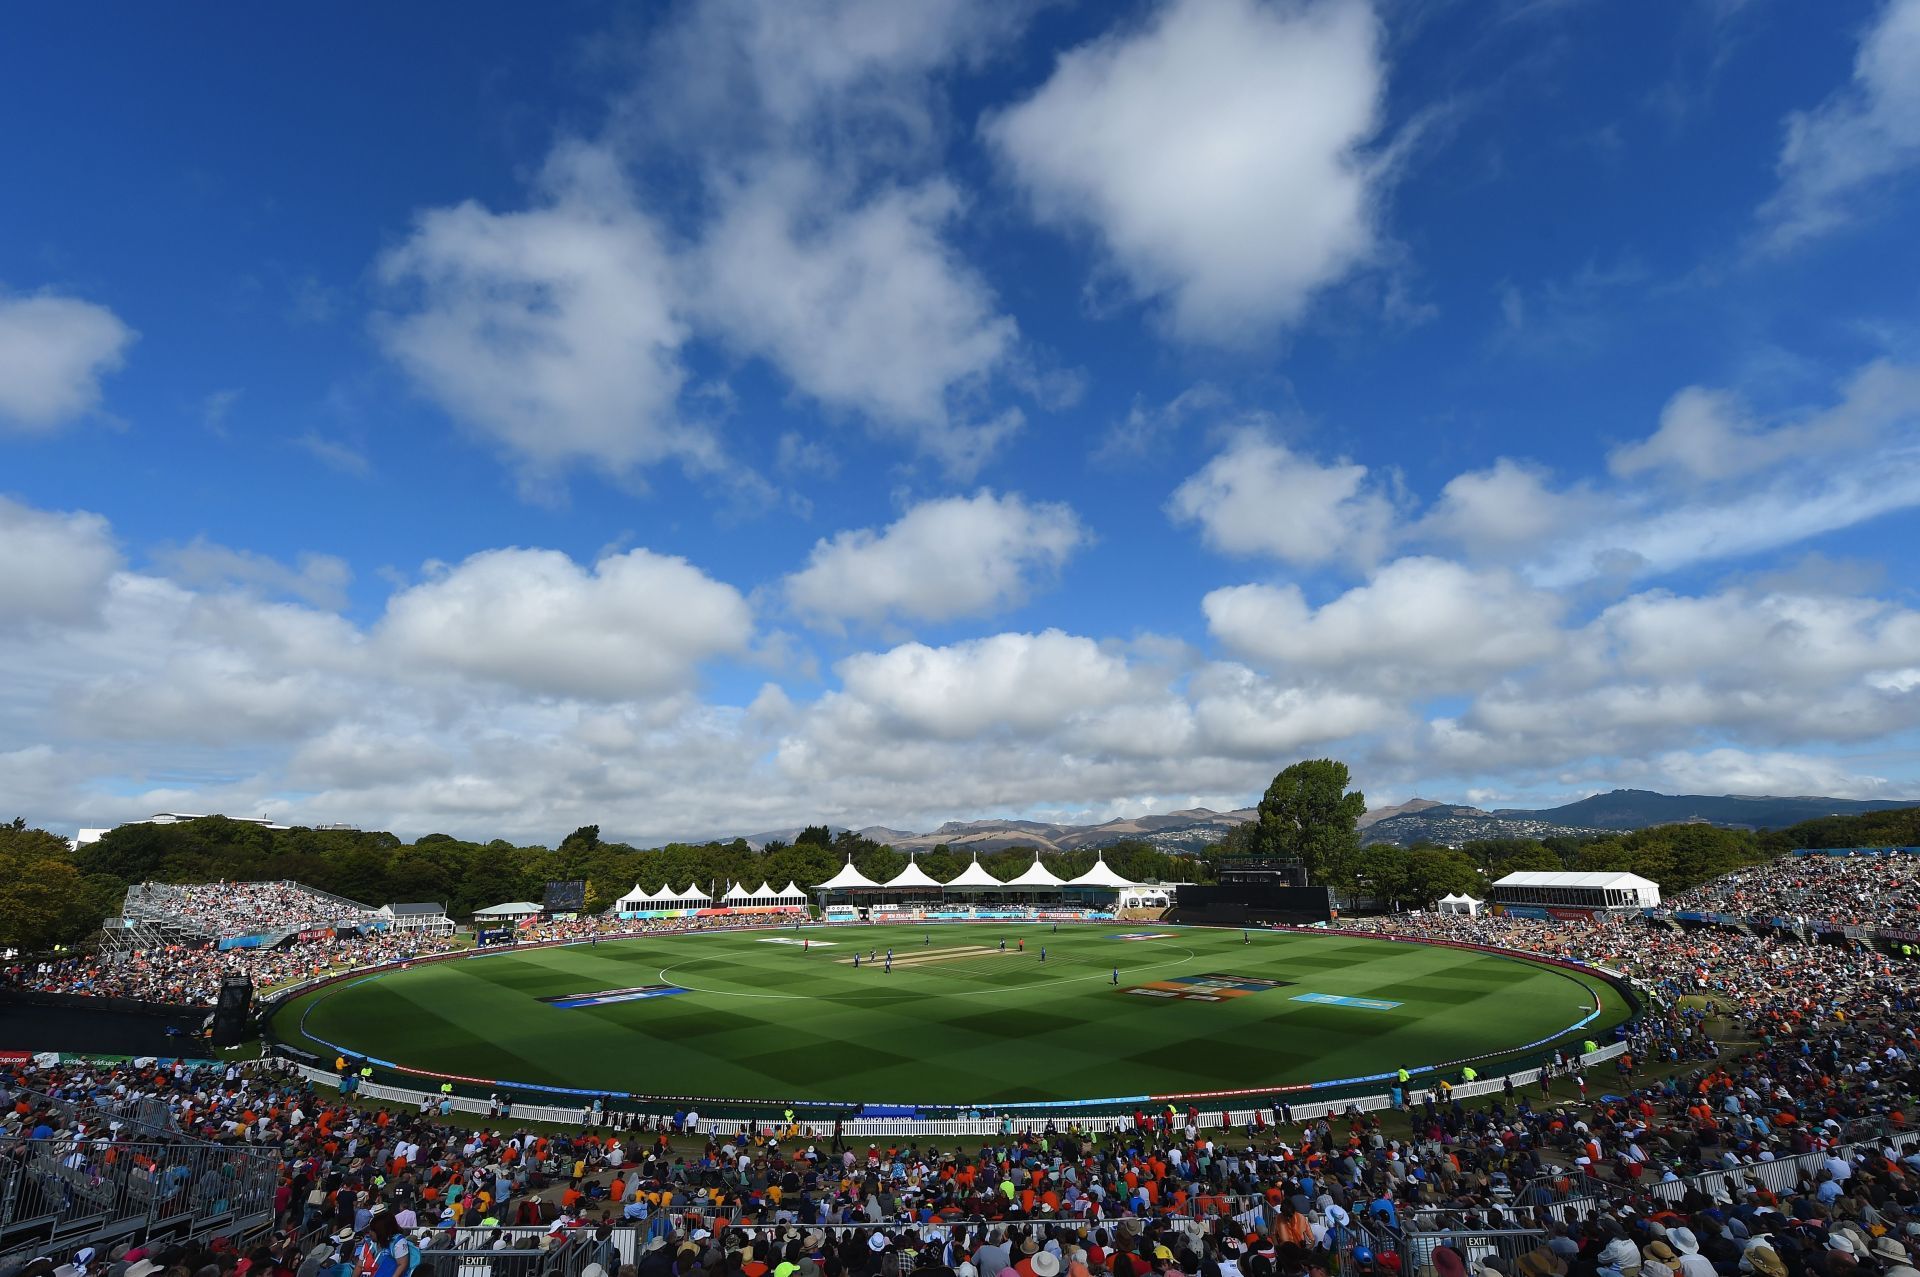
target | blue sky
[{"x": 713, "y": 418}]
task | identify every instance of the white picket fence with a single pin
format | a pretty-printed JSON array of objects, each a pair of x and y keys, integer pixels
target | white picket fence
[{"x": 924, "y": 1128}]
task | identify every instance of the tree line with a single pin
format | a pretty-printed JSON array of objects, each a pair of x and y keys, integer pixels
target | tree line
[{"x": 50, "y": 897}]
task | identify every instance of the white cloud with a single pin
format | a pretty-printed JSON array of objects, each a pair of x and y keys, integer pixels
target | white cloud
[
  {"x": 1643, "y": 535},
  {"x": 335, "y": 454},
  {"x": 173, "y": 667},
  {"x": 1240, "y": 714},
  {"x": 1216, "y": 151},
  {"x": 759, "y": 73},
  {"x": 1024, "y": 683},
  {"x": 861, "y": 302},
  {"x": 520, "y": 694},
  {"x": 320, "y": 579},
  {"x": 636, "y": 625},
  {"x": 1865, "y": 134},
  {"x": 1258, "y": 497},
  {"x": 799, "y": 455},
  {"x": 362, "y": 755},
  {"x": 1502, "y": 509},
  {"x": 1707, "y": 434},
  {"x": 53, "y": 567},
  {"x": 53, "y": 352},
  {"x": 1663, "y": 672},
  {"x": 1422, "y": 624},
  {"x": 1735, "y": 771},
  {"x": 953, "y": 557},
  {"x": 553, "y": 331},
  {"x": 1147, "y": 429},
  {"x": 1766, "y": 640}
]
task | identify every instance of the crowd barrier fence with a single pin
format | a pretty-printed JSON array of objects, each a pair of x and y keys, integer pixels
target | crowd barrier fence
[{"x": 1023, "y": 1123}]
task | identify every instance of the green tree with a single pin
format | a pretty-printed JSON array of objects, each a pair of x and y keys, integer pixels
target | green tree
[
  {"x": 44, "y": 899},
  {"x": 1499, "y": 856},
  {"x": 1433, "y": 872},
  {"x": 24, "y": 839},
  {"x": 584, "y": 839},
  {"x": 1309, "y": 815},
  {"x": 1380, "y": 871}
]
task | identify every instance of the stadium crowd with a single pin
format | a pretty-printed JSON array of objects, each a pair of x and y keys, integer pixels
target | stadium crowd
[
  {"x": 224, "y": 909},
  {"x": 190, "y": 975},
  {"x": 1871, "y": 891},
  {"x": 1750, "y": 1051}
]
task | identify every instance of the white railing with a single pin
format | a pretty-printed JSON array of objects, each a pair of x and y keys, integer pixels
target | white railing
[{"x": 1021, "y": 1123}]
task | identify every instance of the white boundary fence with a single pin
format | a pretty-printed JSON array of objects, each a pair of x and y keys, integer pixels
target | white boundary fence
[{"x": 927, "y": 1128}]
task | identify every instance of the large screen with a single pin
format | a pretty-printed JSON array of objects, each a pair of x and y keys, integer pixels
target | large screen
[{"x": 567, "y": 897}]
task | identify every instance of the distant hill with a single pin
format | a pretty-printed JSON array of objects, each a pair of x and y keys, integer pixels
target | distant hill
[
  {"x": 1453, "y": 825},
  {"x": 1191, "y": 830},
  {"x": 1416, "y": 820},
  {"x": 1639, "y": 808},
  {"x": 1620, "y": 811},
  {"x": 1408, "y": 808}
]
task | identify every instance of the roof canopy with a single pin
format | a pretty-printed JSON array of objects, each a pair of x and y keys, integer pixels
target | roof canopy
[
  {"x": 1451, "y": 899},
  {"x": 847, "y": 879},
  {"x": 638, "y": 895},
  {"x": 512, "y": 909},
  {"x": 764, "y": 889},
  {"x": 976, "y": 878},
  {"x": 912, "y": 876},
  {"x": 1036, "y": 877},
  {"x": 1543, "y": 878},
  {"x": 693, "y": 892},
  {"x": 793, "y": 889},
  {"x": 736, "y": 892},
  {"x": 1102, "y": 875}
]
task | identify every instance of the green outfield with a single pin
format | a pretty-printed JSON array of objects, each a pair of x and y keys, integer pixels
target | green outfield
[{"x": 957, "y": 1021}]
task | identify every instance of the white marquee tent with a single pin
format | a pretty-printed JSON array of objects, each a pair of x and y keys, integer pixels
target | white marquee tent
[
  {"x": 975, "y": 878},
  {"x": 913, "y": 878}
]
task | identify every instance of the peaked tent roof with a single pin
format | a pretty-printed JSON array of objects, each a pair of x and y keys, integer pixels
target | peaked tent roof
[
  {"x": 637, "y": 895},
  {"x": 912, "y": 876},
  {"x": 693, "y": 892},
  {"x": 975, "y": 876},
  {"x": 793, "y": 889},
  {"x": 847, "y": 878},
  {"x": 764, "y": 889},
  {"x": 1102, "y": 875},
  {"x": 1037, "y": 876},
  {"x": 736, "y": 892}
]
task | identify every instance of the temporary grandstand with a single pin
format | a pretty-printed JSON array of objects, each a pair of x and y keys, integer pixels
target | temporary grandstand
[
  {"x": 737, "y": 898},
  {"x": 231, "y": 915},
  {"x": 149, "y": 1183},
  {"x": 1594, "y": 894},
  {"x": 1035, "y": 887}
]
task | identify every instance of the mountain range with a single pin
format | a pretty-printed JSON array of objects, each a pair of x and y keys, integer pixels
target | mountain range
[
  {"x": 1619, "y": 811},
  {"x": 1192, "y": 830},
  {"x": 1418, "y": 819}
]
